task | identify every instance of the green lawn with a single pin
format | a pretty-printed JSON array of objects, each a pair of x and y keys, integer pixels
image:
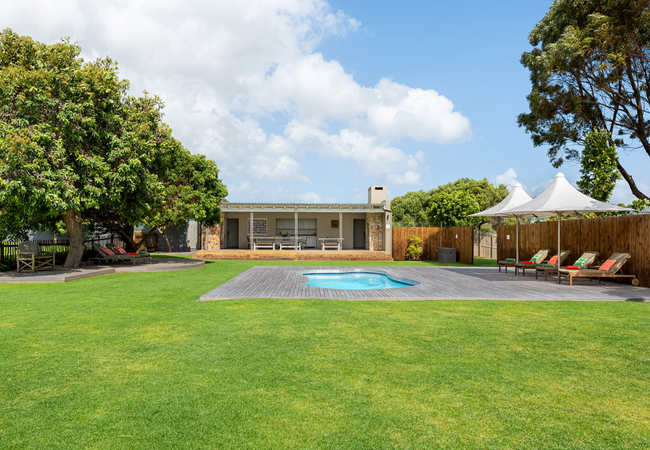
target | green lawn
[{"x": 133, "y": 361}]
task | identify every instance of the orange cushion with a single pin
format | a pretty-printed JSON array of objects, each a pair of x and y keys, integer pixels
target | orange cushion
[
  {"x": 607, "y": 265},
  {"x": 553, "y": 260}
]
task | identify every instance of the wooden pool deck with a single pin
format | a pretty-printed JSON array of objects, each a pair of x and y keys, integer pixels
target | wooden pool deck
[{"x": 436, "y": 283}]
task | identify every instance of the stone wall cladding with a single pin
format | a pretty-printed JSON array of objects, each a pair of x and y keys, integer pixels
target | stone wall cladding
[
  {"x": 211, "y": 238},
  {"x": 374, "y": 235}
]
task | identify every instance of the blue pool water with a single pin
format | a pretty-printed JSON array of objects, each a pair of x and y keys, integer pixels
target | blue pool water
[{"x": 356, "y": 280}]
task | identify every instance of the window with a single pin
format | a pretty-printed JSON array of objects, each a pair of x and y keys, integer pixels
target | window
[{"x": 259, "y": 227}]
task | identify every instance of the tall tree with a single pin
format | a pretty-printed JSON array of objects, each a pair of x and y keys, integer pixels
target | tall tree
[
  {"x": 590, "y": 68},
  {"x": 75, "y": 148}
]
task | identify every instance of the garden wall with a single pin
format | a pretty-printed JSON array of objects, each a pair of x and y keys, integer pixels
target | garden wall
[
  {"x": 460, "y": 238},
  {"x": 606, "y": 235}
]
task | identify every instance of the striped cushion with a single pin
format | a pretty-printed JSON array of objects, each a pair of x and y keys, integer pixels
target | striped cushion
[{"x": 108, "y": 251}]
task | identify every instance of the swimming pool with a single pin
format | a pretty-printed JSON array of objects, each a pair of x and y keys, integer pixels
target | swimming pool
[{"x": 355, "y": 280}]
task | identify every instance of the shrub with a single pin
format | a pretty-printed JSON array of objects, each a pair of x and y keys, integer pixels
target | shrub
[{"x": 414, "y": 249}]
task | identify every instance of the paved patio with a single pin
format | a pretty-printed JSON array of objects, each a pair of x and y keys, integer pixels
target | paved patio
[
  {"x": 61, "y": 275},
  {"x": 436, "y": 283}
]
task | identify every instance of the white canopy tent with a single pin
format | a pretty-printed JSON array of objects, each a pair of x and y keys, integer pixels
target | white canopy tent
[
  {"x": 515, "y": 198},
  {"x": 562, "y": 198}
]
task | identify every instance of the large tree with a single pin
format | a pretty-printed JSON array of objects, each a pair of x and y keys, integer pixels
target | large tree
[
  {"x": 74, "y": 147},
  {"x": 590, "y": 69}
]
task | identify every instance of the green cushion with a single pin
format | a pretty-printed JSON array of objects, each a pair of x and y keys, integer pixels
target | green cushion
[
  {"x": 510, "y": 259},
  {"x": 535, "y": 257},
  {"x": 580, "y": 262},
  {"x": 550, "y": 265}
]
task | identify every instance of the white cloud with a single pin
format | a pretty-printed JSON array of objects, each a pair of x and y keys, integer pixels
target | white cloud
[
  {"x": 226, "y": 70},
  {"x": 509, "y": 178}
]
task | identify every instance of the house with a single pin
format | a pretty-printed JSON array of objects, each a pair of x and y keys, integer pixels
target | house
[{"x": 304, "y": 226}]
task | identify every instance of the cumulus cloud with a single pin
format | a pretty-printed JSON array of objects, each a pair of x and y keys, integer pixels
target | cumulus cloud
[
  {"x": 509, "y": 177},
  {"x": 244, "y": 83}
]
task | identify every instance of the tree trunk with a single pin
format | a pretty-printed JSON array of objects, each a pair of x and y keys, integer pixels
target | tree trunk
[
  {"x": 73, "y": 224},
  {"x": 169, "y": 245}
]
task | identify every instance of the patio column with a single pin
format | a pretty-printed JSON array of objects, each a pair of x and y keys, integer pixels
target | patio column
[
  {"x": 295, "y": 229},
  {"x": 340, "y": 230},
  {"x": 250, "y": 233}
]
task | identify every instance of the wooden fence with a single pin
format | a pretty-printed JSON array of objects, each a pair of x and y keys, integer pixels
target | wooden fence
[
  {"x": 9, "y": 249},
  {"x": 606, "y": 235},
  {"x": 460, "y": 238},
  {"x": 485, "y": 244}
]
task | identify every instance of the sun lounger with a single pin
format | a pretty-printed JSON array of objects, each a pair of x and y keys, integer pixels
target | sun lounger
[
  {"x": 551, "y": 262},
  {"x": 142, "y": 255},
  {"x": 106, "y": 254},
  {"x": 585, "y": 261},
  {"x": 609, "y": 269},
  {"x": 510, "y": 262}
]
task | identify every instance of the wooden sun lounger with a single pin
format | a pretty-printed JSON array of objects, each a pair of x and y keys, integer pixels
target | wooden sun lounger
[
  {"x": 514, "y": 264},
  {"x": 540, "y": 267},
  {"x": 543, "y": 254},
  {"x": 142, "y": 256},
  {"x": 102, "y": 256},
  {"x": 589, "y": 256},
  {"x": 613, "y": 272}
]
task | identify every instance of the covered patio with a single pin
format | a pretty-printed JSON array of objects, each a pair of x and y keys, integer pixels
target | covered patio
[{"x": 302, "y": 230}]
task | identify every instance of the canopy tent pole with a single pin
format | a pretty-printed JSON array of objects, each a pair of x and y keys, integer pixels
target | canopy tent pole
[
  {"x": 517, "y": 239},
  {"x": 558, "y": 246}
]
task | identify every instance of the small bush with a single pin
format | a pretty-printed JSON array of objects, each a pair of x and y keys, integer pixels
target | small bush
[{"x": 414, "y": 249}]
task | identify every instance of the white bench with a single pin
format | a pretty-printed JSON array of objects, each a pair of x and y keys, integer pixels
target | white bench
[
  {"x": 264, "y": 245},
  {"x": 330, "y": 244}
]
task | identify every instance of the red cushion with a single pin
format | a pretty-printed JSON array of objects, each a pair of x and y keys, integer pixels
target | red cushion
[
  {"x": 132, "y": 253},
  {"x": 108, "y": 251},
  {"x": 528, "y": 262},
  {"x": 553, "y": 260},
  {"x": 573, "y": 267},
  {"x": 120, "y": 250},
  {"x": 607, "y": 265}
]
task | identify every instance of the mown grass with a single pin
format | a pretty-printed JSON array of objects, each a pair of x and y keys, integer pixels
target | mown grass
[{"x": 133, "y": 361}]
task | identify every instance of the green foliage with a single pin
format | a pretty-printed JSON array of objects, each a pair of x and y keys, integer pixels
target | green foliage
[
  {"x": 599, "y": 173},
  {"x": 414, "y": 249},
  {"x": 589, "y": 70},
  {"x": 74, "y": 144},
  {"x": 451, "y": 208},
  {"x": 414, "y": 208}
]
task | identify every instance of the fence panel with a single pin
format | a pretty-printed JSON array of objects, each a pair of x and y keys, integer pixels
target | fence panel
[
  {"x": 460, "y": 238},
  {"x": 606, "y": 235}
]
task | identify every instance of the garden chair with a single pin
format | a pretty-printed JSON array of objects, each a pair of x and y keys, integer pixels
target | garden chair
[
  {"x": 585, "y": 261},
  {"x": 31, "y": 258},
  {"x": 609, "y": 269}
]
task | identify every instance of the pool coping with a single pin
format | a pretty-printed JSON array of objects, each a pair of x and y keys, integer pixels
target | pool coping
[{"x": 406, "y": 281}]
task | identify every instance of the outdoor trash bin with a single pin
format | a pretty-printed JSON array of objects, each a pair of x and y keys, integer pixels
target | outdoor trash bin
[{"x": 446, "y": 255}]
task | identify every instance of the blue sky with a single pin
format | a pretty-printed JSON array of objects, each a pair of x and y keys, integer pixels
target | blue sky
[{"x": 309, "y": 100}]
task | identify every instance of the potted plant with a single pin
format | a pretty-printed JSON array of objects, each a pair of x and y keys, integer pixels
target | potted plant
[{"x": 414, "y": 249}]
